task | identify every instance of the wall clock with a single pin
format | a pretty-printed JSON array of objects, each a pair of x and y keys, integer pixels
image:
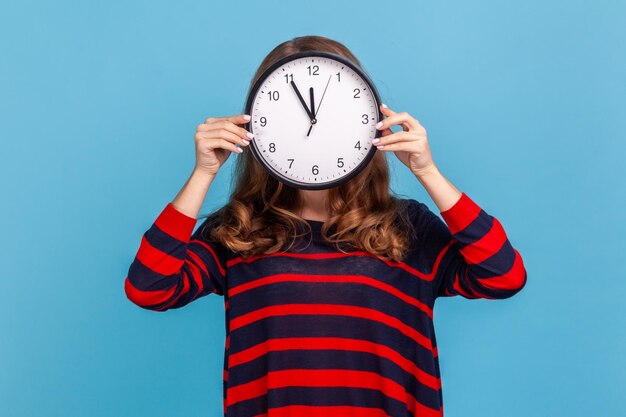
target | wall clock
[{"x": 313, "y": 117}]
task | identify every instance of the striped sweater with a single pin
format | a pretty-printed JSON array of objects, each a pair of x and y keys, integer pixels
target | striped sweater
[{"x": 318, "y": 332}]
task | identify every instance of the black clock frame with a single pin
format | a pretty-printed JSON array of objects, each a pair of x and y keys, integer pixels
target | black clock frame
[{"x": 249, "y": 126}]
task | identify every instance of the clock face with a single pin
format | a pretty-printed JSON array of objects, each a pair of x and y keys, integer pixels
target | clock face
[{"x": 313, "y": 117}]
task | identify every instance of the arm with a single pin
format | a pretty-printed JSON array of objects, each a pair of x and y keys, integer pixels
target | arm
[
  {"x": 473, "y": 257},
  {"x": 172, "y": 267},
  {"x": 476, "y": 259}
]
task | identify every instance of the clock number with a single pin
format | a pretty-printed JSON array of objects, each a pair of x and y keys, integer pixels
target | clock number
[
  {"x": 263, "y": 121},
  {"x": 365, "y": 120},
  {"x": 315, "y": 170},
  {"x": 314, "y": 70},
  {"x": 338, "y": 77},
  {"x": 288, "y": 78},
  {"x": 272, "y": 147},
  {"x": 356, "y": 93},
  {"x": 358, "y": 145},
  {"x": 340, "y": 162},
  {"x": 273, "y": 95},
  {"x": 290, "y": 163}
]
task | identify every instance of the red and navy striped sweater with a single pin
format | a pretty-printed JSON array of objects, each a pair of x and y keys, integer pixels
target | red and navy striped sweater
[{"x": 318, "y": 332}]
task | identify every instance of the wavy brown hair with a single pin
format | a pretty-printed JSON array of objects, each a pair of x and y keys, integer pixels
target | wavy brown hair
[{"x": 261, "y": 218}]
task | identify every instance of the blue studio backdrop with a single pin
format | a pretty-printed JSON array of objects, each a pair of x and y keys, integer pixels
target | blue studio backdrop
[{"x": 524, "y": 103}]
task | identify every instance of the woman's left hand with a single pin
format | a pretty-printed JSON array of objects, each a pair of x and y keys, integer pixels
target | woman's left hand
[{"x": 410, "y": 145}]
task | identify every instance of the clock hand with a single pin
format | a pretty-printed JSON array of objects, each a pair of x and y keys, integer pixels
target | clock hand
[
  {"x": 323, "y": 94},
  {"x": 314, "y": 120},
  {"x": 312, "y": 107},
  {"x": 302, "y": 101}
]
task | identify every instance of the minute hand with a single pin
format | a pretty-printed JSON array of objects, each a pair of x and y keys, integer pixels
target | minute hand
[
  {"x": 323, "y": 94},
  {"x": 309, "y": 112}
]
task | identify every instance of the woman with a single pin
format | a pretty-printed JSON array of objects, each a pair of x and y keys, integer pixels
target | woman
[{"x": 329, "y": 294}]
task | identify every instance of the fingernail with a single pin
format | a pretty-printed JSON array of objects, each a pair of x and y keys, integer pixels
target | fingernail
[
  {"x": 238, "y": 148},
  {"x": 245, "y": 142},
  {"x": 246, "y": 117},
  {"x": 250, "y": 135},
  {"x": 381, "y": 146},
  {"x": 384, "y": 105},
  {"x": 378, "y": 125},
  {"x": 376, "y": 140}
]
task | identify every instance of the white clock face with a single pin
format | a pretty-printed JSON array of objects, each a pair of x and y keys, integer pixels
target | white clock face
[{"x": 325, "y": 143}]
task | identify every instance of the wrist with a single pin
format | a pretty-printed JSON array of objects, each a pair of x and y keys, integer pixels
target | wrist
[
  {"x": 426, "y": 172},
  {"x": 202, "y": 174}
]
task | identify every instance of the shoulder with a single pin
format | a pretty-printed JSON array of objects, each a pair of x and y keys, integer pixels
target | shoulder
[
  {"x": 415, "y": 215},
  {"x": 415, "y": 210},
  {"x": 208, "y": 222}
]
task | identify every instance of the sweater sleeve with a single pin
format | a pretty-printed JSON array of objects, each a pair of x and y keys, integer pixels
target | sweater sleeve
[
  {"x": 174, "y": 267},
  {"x": 474, "y": 258}
]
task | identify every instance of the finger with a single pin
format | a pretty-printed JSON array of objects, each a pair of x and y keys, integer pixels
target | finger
[
  {"x": 221, "y": 134},
  {"x": 404, "y": 119},
  {"x": 229, "y": 146},
  {"x": 238, "y": 119},
  {"x": 228, "y": 125},
  {"x": 399, "y": 146},
  {"x": 385, "y": 110},
  {"x": 397, "y": 137}
]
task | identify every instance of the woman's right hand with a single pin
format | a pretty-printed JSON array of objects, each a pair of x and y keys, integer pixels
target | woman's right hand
[{"x": 216, "y": 138}]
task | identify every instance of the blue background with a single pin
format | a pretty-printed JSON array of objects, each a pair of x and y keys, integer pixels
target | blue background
[{"x": 524, "y": 103}]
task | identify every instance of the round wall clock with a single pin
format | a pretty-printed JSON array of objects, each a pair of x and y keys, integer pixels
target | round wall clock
[{"x": 313, "y": 118}]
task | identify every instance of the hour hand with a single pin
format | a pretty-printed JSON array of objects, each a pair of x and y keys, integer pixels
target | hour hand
[
  {"x": 313, "y": 112},
  {"x": 306, "y": 108}
]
